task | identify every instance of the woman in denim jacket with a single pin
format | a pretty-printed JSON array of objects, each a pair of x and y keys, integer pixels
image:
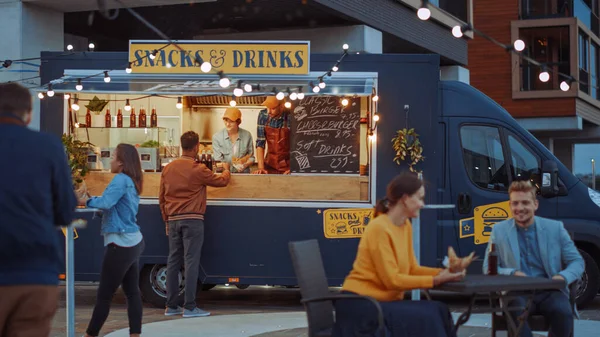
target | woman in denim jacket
[{"x": 123, "y": 240}]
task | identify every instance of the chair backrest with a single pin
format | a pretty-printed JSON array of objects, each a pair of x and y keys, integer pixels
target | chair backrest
[{"x": 308, "y": 265}]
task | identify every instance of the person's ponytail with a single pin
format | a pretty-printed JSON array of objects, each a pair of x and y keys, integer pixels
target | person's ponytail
[{"x": 382, "y": 207}]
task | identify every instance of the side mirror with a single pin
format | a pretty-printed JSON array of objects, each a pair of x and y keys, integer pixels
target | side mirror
[{"x": 549, "y": 187}]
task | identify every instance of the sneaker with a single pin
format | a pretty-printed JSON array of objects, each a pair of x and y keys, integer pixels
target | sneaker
[
  {"x": 173, "y": 312},
  {"x": 197, "y": 312}
]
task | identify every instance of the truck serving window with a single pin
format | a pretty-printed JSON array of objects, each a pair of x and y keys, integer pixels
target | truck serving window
[
  {"x": 524, "y": 163},
  {"x": 483, "y": 156}
]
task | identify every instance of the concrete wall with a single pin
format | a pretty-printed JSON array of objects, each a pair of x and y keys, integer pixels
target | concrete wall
[{"x": 360, "y": 38}]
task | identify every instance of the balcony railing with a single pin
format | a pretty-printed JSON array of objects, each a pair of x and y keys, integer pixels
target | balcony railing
[{"x": 543, "y": 9}]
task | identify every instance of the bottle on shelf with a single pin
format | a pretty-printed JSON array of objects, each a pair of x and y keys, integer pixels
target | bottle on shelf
[
  {"x": 209, "y": 161},
  {"x": 142, "y": 118},
  {"x": 153, "y": 118},
  {"x": 132, "y": 118},
  {"x": 493, "y": 260},
  {"x": 119, "y": 119},
  {"x": 107, "y": 119},
  {"x": 88, "y": 119},
  {"x": 203, "y": 158}
]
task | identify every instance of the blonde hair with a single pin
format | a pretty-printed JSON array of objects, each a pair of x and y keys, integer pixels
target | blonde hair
[{"x": 523, "y": 186}]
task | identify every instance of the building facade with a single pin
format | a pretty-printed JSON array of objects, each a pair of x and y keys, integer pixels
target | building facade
[{"x": 562, "y": 35}]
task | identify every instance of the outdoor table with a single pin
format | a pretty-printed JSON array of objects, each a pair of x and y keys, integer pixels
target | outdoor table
[{"x": 503, "y": 288}]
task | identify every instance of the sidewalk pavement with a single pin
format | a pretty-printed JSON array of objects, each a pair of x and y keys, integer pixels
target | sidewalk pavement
[{"x": 293, "y": 324}]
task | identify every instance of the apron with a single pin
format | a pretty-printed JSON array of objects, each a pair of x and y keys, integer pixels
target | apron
[{"x": 278, "y": 139}]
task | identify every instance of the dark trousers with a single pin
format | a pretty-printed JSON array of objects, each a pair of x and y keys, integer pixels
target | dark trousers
[
  {"x": 554, "y": 306},
  {"x": 27, "y": 310},
  {"x": 186, "y": 238},
  {"x": 120, "y": 267}
]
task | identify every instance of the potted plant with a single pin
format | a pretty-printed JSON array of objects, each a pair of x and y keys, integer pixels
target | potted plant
[
  {"x": 96, "y": 106},
  {"x": 77, "y": 156},
  {"x": 406, "y": 144}
]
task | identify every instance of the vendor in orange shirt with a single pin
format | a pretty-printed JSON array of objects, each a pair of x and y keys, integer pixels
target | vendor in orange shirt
[{"x": 386, "y": 267}]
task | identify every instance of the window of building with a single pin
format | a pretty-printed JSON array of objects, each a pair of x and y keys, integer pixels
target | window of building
[
  {"x": 547, "y": 45},
  {"x": 524, "y": 163},
  {"x": 531, "y": 9},
  {"x": 584, "y": 77},
  {"x": 483, "y": 157},
  {"x": 582, "y": 9},
  {"x": 458, "y": 8},
  {"x": 594, "y": 70}
]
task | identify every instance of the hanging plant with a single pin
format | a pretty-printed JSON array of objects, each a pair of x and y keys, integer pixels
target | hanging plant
[
  {"x": 97, "y": 105},
  {"x": 408, "y": 147},
  {"x": 77, "y": 155}
]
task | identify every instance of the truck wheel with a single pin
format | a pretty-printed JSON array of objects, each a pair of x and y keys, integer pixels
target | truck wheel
[
  {"x": 242, "y": 286},
  {"x": 590, "y": 281},
  {"x": 153, "y": 284}
]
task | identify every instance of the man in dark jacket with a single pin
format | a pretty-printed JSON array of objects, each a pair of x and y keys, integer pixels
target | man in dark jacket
[{"x": 36, "y": 195}]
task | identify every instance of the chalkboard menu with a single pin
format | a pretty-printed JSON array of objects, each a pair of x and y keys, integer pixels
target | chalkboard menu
[{"x": 325, "y": 136}]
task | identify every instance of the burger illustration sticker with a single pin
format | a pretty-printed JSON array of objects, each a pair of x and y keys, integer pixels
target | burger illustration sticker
[{"x": 484, "y": 218}]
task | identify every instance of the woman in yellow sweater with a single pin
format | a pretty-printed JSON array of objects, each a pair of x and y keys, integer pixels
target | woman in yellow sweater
[{"x": 386, "y": 267}]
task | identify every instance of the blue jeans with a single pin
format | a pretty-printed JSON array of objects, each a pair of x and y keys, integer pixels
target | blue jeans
[{"x": 554, "y": 306}]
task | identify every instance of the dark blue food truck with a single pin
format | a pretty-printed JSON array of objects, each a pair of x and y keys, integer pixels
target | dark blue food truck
[{"x": 346, "y": 142}]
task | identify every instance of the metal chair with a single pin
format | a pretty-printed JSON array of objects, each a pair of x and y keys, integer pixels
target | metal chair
[
  {"x": 316, "y": 297},
  {"x": 536, "y": 322}
]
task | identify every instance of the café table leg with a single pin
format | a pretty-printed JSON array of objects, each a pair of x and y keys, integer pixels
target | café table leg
[
  {"x": 464, "y": 317},
  {"x": 510, "y": 322}
]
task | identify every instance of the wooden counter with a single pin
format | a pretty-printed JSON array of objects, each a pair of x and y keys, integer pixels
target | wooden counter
[{"x": 260, "y": 187}]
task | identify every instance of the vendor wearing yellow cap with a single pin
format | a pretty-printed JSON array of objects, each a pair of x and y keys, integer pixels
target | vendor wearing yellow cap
[
  {"x": 273, "y": 130},
  {"x": 233, "y": 144}
]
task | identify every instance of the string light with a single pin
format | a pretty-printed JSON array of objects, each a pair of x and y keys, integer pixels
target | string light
[
  {"x": 75, "y": 105},
  {"x": 322, "y": 84},
  {"x": 300, "y": 93},
  {"x": 424, "y": 13},
  {"x": 345, "y": 102},
  {"x": 79, "y": 86},
  {"x": 232, "y": 103},
  {"x": 91, "y": 46},
  {"x": 376, "y": 117},
  {"x": 128, "y": 69},
  {"x": 519, "y": 45},
  {"x": 335, "y": 68},
  {"x": 345, "y": 46},
  {"x": 223, "y": 80},
  {"x": 205, "y": 67},
  {"x": 70, "y": 47},
  {"x": 153, "y": 54},
  {"x": 458, "y": 30},
  {"x": 248, "y": 87},
  {"x": 40, "y": 95},
  {"x": 50, "y": 92},
  {"x": 106, "y": 77},
  {"x": 127, "y": 105},
  {"x": 238, "y": 91},
  {"x": 544, "y": 75},
  {"x": 280, "y": 95},
  {"x": 287, "y": 104},
  {"x": 375, "y": 98},
  {"x": 293, "y": 96},
  {"x": 67, "y": 96},
  {"x": 179, "y": 104}
]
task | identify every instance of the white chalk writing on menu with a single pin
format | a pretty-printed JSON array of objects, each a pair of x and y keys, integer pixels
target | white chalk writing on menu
[{"x": 326, "y": 135}]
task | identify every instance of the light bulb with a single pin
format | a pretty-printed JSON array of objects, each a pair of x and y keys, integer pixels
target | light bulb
[
  {"x": 205, "y": 67},
  {"x": 153, "y": 55},
  {"x": 248, "y": 87},
  {"x": 238, "y": 92},
  {"x": 232, "y": 103},
  {"x": 70, "y": 47},
  {"x": 519, "y": 45},
  {"x": 91, "y": 45},
  {"x": 287, "y": 105},
  {"x": 224, "y": 82},
  {"x": 300, "y": 95},
  {"x": 76, "y": 124},
  {"x": 127, "y": 107},
  {"x": 179, "y": 105},
  {"x": 79, "y": 86},
  {"x": 169, "y": 65},
  {"x": 424, "y": 13},
  {"x": 345, "y": 46},
  {"x": 345, "y": 102},
  {"x": 457, "y": 31},
  {"x": 316, "y": 89},
  {"x": 128, "y": 69},
  {"x": 50, "y": 93},
  {"x": 40, "y": 95},
  {"x": 293, "y": 96},
  {"x": 376, "y": 117},
  {"x": 564, "y": 86},
  {"x": 322, "y": 85},
  {"x": 67, "y": 96},
  {"x": 544, "y": 76},
  {"x": 75, "y": 106},
  {"x": 372, "y": 138},
  {"x": 280, "y": 96},
  {"x": 335, "y": 68},
  {"x": 375, "y": 98},
  {"x": 106, "y": 77}
]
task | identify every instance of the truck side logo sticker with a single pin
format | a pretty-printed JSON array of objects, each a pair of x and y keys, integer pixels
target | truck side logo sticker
[
  {"x": 346, "y": 223},
  {"x": 483, "y": 220}
]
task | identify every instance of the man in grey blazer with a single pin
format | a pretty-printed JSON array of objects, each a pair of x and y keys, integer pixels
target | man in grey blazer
[{"x": 528, "y": 245}]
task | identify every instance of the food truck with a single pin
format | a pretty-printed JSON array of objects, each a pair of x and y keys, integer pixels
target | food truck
[{"x": 373, "y": 117}]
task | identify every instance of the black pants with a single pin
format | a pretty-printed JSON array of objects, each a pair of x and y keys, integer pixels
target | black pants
[
  {"x": 554, "y": 305},
  {"x": 185, "y": 246},
  {"x": 120, "y": 267}
]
